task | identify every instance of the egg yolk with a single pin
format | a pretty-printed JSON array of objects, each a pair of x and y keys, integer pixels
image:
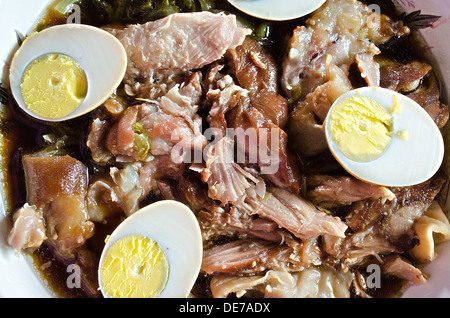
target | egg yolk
[
  {"x": 134, "y": 266},
  {"x": 53, "y": 85},
  {"x": 361, "y": 128}
]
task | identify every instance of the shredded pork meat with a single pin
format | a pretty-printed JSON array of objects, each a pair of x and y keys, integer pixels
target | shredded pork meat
[{"x": 227, "y": 181}]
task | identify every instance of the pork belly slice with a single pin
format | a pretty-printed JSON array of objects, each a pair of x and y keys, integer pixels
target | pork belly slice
[
  {"x": 28, "y": 229},
  {"x": 251, "y": 117},
  {"x": 181, "y": 41},
  {"x": 96, "y": 143},
  {"x": 58, "y": 185},
  {"x": 331, "y": 191}
]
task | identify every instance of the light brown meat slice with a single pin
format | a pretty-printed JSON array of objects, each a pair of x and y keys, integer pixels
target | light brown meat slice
[
  {"x": 330, "y": 191},
  {"x": 257, "y": 71},
  {"x": 428, "y": 96},
  {"x": 58, "y": 186},
  {"x": 398, "y": 266},
  {"x": 181, "y": 41},
  {"x": 48, "y": 177},
  {"x": 222, "y": 96},
  {"x": 403, "y": 77},
  {"x": 270, "y": 154}
]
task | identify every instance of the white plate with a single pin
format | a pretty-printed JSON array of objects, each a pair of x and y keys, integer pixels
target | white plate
[{"x": 17, "y": 275}]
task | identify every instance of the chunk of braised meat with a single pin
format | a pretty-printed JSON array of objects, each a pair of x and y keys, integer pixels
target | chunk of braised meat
[
  {"x": 256, "y": 256},
  {"x": 428, "y": 96},
  {"x": 402, "y": 77},
  {"x": 272, "y": 159},
  {"x": 181, "y": 41},
  {"x": 227, "y": 181},
  {"x": 341, "y": 30},
  {"x": 58, "y": 185},
  {"x": 330, "y": 191},
  {"x": 28, "y": 229},
  {"x": 215, "y": 218},
  {"x": 397, "y": 216},
  {"x": 152, "y": 128},
  {"x": 358, "y": 247},
  {"x": 256, "y": 70},
  {"x": 222, "y": 96},
  {"x": 395, "y": 265},
  {"x": 194, "y": 192},
  {"x": 96, "y": 141},
  {"x": 305, "y": 125},
  {"x": 297, "y": 215}
]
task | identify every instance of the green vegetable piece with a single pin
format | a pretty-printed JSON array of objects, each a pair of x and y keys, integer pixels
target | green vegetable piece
[
  {"x": 141, "y": 141},
  {"x": 206, "y": 5},
  {"x": 63, "y": 6}
]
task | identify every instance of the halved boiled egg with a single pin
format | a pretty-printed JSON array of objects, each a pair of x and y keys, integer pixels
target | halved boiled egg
[
  {"x": 66, "y": 71},
  {"x": 383, "y": 137},
  {"x": 277, "y": 10},
  {"x": 155, "y": 252}
]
